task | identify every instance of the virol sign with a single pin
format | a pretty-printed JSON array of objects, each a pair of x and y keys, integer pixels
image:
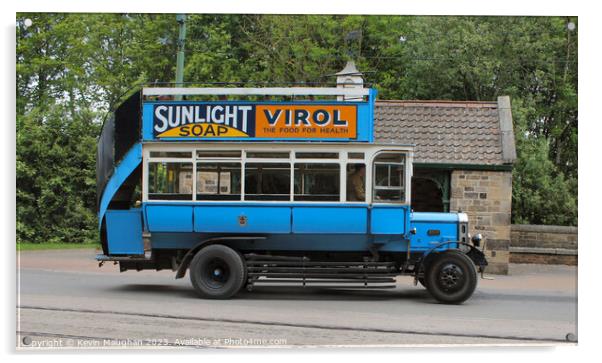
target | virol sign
[{"x": 231, "y": 120}]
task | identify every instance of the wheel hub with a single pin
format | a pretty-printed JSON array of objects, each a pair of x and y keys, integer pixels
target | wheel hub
[
  {"x": 216, "y": 273},
  {"x": 451, "y": 277}
]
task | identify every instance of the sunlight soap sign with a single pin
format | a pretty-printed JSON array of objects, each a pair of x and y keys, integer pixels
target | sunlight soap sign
[{"x": 270, "y": 121}]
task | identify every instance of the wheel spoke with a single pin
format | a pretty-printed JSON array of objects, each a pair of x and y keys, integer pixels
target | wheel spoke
[{"x": 451, "y": 277}]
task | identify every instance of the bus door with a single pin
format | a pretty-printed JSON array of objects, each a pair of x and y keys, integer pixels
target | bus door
[{"x": 389, "y": 216}]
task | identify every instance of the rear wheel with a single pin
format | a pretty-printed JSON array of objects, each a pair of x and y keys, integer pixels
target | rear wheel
[
  {"x": 451, "y": 277},
  {"x": 217, "y": 272}
]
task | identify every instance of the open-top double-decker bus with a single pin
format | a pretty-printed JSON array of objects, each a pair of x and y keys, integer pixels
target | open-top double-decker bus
[{"x": 242, "y": 187}]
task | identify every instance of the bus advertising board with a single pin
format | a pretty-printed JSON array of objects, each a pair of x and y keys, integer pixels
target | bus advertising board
[{"x": 232, "y": 120}]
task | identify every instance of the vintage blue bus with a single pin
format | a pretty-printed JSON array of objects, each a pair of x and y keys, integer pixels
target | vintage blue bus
[{"x": 243, "y": 187}]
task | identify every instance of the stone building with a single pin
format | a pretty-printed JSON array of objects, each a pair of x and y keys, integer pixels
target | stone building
[{"x": 463, "y": 162}]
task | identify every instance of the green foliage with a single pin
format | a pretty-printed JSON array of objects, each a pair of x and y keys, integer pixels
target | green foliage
[
  {"x": 56, "y": 177},
  {"x": 541, "y": 193},
  {"x": 73, "y": 68}
]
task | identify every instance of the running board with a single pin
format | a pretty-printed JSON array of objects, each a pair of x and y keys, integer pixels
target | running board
[
  {"x": 321, "y": 283},
  {"x": 302, "y": 272}
]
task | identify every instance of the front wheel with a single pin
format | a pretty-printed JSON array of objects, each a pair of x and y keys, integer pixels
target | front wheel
[
  {"x": 217, "y": 272},
  {"x": 451, "y": 277}
]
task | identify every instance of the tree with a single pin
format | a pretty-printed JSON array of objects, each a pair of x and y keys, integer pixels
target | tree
[
  {"x": 56, "y": 177},
  {"x": 540, "y": 192},
  {"x": 74, "y": 68}
]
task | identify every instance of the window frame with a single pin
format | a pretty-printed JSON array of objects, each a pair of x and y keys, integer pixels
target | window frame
[
  {"x": 303, "y": 161},
  {"x": 366, "y": 181},
  {"x": 370, "y": 152},
  {"x": 407, "y": 177},
  {"x": 265, "y": 161},
  {"x": 198, "y": 161},
  {"x": 167, "y": 160}
]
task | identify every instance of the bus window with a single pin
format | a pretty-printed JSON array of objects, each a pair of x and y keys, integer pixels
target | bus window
[
  {"x": 389, "y": 184},
  {"x": 317, "y": 182},
  {"x": 218, "y": 181},
  {"x": 212, "y": 154},
  {"x": 268, "y": 155},
  {"x": 356, "y": 182},
  {"x": 169, "y": 181},
  {"x": 314, "y": 155},
  {"x": 355, "y": 156},
  {"x": 267, "y": 181},
  {"x": 171, "y": 154}
]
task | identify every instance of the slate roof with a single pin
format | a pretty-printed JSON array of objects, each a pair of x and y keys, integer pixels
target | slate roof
[{"x": 444, "y": 132}]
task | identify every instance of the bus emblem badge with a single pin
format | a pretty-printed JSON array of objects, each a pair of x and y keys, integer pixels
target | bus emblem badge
[{"x": 242, "y": 220}]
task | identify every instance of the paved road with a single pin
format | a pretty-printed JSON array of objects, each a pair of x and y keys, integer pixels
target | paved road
[{"x": 66, "y": 300}]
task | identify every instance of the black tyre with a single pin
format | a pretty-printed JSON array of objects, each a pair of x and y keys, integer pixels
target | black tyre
[
  {"x": 217, "y": 272},
  {"x": 245, "y": 278},
  {"x": 422, "y": 281},
  {"x": 451, "y": 277}
]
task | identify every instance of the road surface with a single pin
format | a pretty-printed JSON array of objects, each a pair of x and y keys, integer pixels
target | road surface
[{"x": 65, "y": 300}]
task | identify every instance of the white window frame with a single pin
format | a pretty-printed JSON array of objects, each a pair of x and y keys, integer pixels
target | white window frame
[
  {"x": 217, "y": 161},
  {"x": 269, "y": 161},
  {"x": 370, "y": 152},
  {"x": 145, "y": 177},
  {"x": 321, "y": 161},
  {"x": 408, "y": 166}
]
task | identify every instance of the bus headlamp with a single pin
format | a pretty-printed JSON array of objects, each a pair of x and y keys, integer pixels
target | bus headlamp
[{"x": 476, "y": 239}]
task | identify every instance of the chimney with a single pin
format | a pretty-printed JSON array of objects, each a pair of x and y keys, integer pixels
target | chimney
[{"x": 350, "y": 77}]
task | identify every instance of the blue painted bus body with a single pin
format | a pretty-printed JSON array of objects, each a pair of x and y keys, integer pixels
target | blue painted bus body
[
  {"x": 124, "y": 234},
  {"x": 286, "y": 227}
]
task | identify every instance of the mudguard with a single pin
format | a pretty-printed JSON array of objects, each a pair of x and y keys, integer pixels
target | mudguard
[
  {"x": 476, "y": 256},
  {"x": 190, "y": 254}
]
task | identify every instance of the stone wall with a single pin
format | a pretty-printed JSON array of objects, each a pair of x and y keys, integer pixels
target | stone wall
[
  {"x": 543, "y": 244},
  {"x": 486, "y": 196}
]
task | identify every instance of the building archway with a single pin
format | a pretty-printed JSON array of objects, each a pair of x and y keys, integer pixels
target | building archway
[{"x": 430, "y": 191}]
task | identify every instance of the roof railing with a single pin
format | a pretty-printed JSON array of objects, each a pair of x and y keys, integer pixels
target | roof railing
[{"x": 256, "y": 91}]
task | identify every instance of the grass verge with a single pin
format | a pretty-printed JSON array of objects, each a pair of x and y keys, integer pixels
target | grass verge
[{"x": 54, "y": 246}]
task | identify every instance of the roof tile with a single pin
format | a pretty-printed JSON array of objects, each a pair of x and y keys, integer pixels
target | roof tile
[{"x": 443, "y": 131}]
